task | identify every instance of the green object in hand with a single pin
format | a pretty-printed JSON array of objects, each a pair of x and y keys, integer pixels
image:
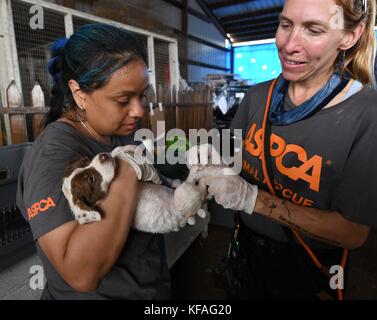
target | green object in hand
[
  {"x": 178, "y": 142},
  {"x": 174, "y": 146}
]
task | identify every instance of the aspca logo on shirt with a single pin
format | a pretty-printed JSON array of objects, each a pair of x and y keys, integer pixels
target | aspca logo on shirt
[
  {"x": 39, "y": 207},
  {"x": 309, "y": 170}
]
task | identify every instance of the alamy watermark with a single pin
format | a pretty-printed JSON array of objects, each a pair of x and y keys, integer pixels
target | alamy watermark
[
  {"x": 37, "y": 280},
  {"x": 214, "y": 147},
  {"x": 337, "y": 17},
  {"x": 37, "y": 20},
  {"x": 337, "y": 280}
]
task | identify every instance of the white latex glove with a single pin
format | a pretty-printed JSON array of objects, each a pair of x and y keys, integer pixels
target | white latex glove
[
  {"x": 202, "y": 155},
  {"x": 230, "y": 191},
  {"x": 144, "y": 171}
]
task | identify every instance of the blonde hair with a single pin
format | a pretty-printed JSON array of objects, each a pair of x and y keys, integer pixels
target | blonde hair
[{"x": 359, "y": 60}]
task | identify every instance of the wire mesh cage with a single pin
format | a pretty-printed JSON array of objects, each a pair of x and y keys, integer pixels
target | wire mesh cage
[
  {"x": 33, "y": 46},
  {"x": 33, "y": 49},
  {"x": 161, "y": 49}
]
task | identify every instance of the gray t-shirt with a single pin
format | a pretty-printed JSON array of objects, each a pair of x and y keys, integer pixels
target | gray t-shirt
[
  {"x": 327, "y": 161},
  {"x": 141, "y": 271}
]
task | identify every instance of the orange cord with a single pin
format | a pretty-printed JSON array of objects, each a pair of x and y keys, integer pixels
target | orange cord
[
  {"x": 270, "y": 187},
  {"x": 263, "y": 156}
]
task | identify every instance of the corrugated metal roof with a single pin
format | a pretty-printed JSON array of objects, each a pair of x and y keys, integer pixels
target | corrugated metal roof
[{"x": 246, "y": 20}]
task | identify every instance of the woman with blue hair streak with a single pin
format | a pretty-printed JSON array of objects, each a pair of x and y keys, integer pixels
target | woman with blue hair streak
[{"x": 100, "y": 76}]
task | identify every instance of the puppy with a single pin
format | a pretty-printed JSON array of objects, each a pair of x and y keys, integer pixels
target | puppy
[{"x": 160, "y": 209}]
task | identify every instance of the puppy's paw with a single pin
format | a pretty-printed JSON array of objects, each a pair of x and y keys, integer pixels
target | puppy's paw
[
  {"x": 88, "y": 217},
  {"x": 201, "y": 213},
  {"x": 191, "y": 221},
  {"x": 95, "y": 216}
]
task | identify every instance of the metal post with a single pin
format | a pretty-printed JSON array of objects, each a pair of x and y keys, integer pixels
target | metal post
[
  {"x": 9, "y": 67},
  {"x": 68, "y": 23},
  {"x": 152, "y": 63},
  {"x": 174, "y": 65}
]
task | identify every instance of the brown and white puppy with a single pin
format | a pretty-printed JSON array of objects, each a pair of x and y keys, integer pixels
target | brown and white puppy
[
  {"x": 159, "y": 210},
  {"x": 86, "y": 183}
]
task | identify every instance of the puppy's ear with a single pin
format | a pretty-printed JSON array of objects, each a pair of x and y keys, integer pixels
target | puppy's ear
[
  {"x": 78, "y": 162},
  {"x": 80, "y": 196},
  {"x": 83, "y": 204}
]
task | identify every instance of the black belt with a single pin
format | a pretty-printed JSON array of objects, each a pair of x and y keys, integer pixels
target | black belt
[
  {"x": 255, "y": 240},
  {"x": 259, "y": 240}
]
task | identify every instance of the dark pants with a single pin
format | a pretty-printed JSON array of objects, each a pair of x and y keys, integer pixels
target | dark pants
[{"x": 281, "y": 271}]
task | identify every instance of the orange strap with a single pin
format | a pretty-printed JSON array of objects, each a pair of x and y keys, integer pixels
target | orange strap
[{"x": 314, "y": 258}]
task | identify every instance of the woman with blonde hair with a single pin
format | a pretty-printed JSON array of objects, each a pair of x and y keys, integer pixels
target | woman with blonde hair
[{"x": 307, "y": 190}]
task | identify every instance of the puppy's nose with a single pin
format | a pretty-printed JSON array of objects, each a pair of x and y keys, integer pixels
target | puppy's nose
[{"x": 104, "y": 157}]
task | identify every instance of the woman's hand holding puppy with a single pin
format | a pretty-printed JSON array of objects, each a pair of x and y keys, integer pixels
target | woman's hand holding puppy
[{"x": 144, "y": 170}]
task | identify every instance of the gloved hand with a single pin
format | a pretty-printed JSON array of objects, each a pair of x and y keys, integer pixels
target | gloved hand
[
  {"x": 230, "y": 191},
  {"x": 144, "y": 171},
  {"x": 202, "y": 155}
]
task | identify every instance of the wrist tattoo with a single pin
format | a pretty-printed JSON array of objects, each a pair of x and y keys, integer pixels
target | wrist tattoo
[
  {"x": 284, "y": 203},
  {"x": 272, "y": 206}
]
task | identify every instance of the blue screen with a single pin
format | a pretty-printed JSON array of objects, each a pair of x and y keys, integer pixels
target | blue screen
[{"x": 257, "y": 63}]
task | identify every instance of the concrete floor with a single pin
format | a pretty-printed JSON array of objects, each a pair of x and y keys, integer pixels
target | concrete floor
[{"x": 192, "y": 278}]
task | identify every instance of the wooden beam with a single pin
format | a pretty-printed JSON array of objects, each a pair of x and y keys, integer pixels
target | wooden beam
[
  {"x": 184, "y": 20},
  {"x": 226, "y": 3},
  {"x": 248, "y": 15},
  {"x": 204, "y": 65},
  {"x": 254, "y": 38},
  {"x": 249, "y": 28},
  {"x": 252, "y": 21},
  {"x": 23, "y": 110},
  {"x": 256, "y": 33},
  {"x": 247, "y": 34},
  {"x": 69, "y": 3},
  {"x": 175, "y": 3}
]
